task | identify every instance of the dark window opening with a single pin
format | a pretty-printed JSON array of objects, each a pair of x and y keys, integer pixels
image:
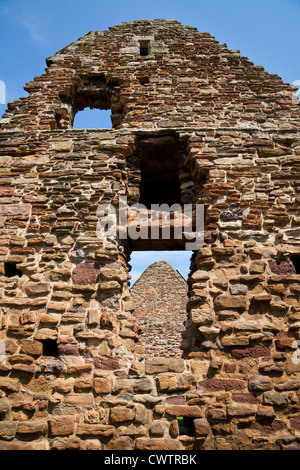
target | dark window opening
[
  {"x": 144, "y": 48},
  {"x": 50, "y": 348},
  {"x": 144, "y": 80},
  {"x": 11, "y": 270},
  {"x": 186, "y": 426},
  {"x": 159, "y": 165},
  {"x": 295, "y": 259},
  {"x": 162, "y": 183}
]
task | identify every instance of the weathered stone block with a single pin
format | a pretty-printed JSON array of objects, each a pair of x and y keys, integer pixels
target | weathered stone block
[
  {"x": 170, "y": 383},
  {"x": 31, "y": 427},
  {"x": 10, "y": 385},
  {"x": 33, "y": 348},
  {"x": 40, "y": 288},
  {"x": 260, "y": 383},
  {"x": 86, "y": 274},
  {"x": 157, "y": 444},
  {"x": 142, "y": 414},
  {"x": 15, "y": 211},
  {"x": 259, "y": 350},
  {"x": 202, "y": 427},
  {"x": 225, "y": 302},
  {"x": 158, "y": 365},
  {"x": 83, "y": 384},
  {"x": 241, "y": 409},
  {"x": 214, "y": 385},
  {"x": 5, "y": 406},
  {"x": 121, "y": 414},
  {"x": 102, "y": 385},
  {"x": 235, "y": 341},
  {"x": 158, "y": 428},
  {"x": 8, "y": 430},
  {"x": 113, "y": 275},
  {"x": 184, "y": 410},
  {"x": 95, "y": 430},
  {"x": 217, "y": 414},
  {"x": 61, "y": 426},
  {"x": 275, "y": 398}
]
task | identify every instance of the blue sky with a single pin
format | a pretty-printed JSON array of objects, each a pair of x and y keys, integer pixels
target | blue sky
[{"x": 266, "y": 31}]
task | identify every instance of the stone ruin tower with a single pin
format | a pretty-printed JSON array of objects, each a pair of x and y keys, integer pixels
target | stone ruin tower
[
  {"x": 192, "y": 123},
  {"x": 160, "y": 298}
]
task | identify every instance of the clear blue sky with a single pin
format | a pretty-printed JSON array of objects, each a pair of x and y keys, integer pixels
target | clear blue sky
[{"x": 266, "y": 31}]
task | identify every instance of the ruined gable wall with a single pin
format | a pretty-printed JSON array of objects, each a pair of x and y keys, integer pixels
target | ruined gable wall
[
  {"x": 160, "y": 297},
  {"x": 188, "y": 79}
]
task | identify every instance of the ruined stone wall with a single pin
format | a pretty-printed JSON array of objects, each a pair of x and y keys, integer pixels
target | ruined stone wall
[
  {"x": 73, "y": 373},
  {"x": 160, "y": 297},
  {"x": 187, "y": 79}
]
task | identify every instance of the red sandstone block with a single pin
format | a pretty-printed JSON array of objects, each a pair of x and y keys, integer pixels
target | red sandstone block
[
  {"x": 95, "y": 430},
  {"x": 31, "y": 427},
  {"x": 157, "y": 444},
  {"x": 83, "y": 384},
  {"x": 61, "y": 426},
  {"x": 121, "y": 414},
  {"x": 184, "y": 410},
  {"x": 202, "y": 427},
  {"x": 214, "y": 385},
  {"x": 102, "y": 385},
  {"x": 295, "y": 422},
  {"x": 68, "y": 350},
  {"x": 230, "y": 302},
  {"x": 42, "y": 444},
  {"x": 15, "y": 211},
  {"x": 6, "y": 191},
  {"x": 86, "y": 274},
  {"x": 259, "y": 350},
  {"x": 217, "y": 414}
]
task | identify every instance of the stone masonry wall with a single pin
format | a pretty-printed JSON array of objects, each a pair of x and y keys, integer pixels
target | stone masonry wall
[
  {"x": 73, "y": 374},
  {"x": 160, "y": 297}
]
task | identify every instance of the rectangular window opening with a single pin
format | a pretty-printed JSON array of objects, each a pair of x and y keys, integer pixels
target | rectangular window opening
[{"x": 144, "y": 48}]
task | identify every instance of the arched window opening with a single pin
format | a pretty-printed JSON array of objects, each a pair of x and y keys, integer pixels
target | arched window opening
[{"x": 90, "y": 94}]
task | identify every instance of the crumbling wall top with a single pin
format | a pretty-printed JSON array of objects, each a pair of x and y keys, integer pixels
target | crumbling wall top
[{"x": 153, "y": 74}]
